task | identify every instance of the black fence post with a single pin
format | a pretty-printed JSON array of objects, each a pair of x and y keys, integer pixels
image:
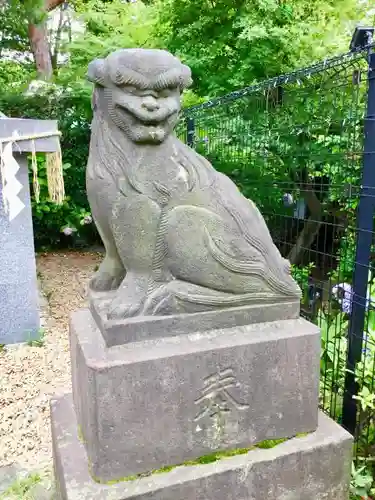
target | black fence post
[
  {"x": 365, "y": 218},
  {"x": 190, "y": 127}
]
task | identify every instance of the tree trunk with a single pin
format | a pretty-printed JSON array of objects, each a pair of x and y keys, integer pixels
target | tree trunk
[
  {"x": 52, "y": 4},
  {"x": 41, "y": 51},
  {"x": 39, "y": 44},
  {"x": 311, "y": 226}
]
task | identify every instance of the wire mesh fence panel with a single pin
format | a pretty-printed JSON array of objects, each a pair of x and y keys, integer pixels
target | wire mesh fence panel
[{"x": 295, "y": 146}]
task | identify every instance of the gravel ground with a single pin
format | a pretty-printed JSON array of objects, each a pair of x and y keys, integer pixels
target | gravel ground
[{"x": 29, "y": 375}]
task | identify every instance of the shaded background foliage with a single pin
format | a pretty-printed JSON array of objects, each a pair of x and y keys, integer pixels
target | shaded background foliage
[{"x": 73, "y": 112}]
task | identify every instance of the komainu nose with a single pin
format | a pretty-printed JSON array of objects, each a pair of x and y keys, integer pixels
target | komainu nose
[{"x": 150, "y": 103}]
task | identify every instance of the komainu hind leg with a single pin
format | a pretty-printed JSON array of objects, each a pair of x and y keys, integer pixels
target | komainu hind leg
[
  {"x": 209, "y": 250},
  {"x": 192, "y": 235}
]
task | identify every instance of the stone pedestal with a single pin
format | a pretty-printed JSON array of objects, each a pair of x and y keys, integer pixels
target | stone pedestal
[
  {"x": 163, "y": 402},
  {"x": 19, "y": 308},
  {"x": 312, "y": 467}
]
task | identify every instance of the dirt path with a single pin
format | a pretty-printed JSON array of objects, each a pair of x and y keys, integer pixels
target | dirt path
[{"x": 29, "y": 375}]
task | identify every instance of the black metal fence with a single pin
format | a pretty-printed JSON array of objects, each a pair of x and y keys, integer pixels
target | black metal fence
[{"x": 302, "y": 146}]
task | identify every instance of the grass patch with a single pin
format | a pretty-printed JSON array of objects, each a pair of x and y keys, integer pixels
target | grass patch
[
  {"x": 20, "y": 489},
  {"x": 39, "y": 340}
]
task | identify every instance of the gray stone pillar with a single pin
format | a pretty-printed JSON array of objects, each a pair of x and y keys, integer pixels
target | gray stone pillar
[{"x": 19, "y": 311}]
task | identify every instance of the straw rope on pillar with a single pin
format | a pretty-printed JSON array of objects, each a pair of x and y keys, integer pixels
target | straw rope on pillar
[
  {"x": 55, "y": 177},
  {"x": 9, "y": 167}
]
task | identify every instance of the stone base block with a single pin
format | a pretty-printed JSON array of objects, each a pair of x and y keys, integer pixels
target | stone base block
[
  {"x": 313, "y": 467},
  {"x": 146, "y": 327},
  {"x": 155, "y": 403}
]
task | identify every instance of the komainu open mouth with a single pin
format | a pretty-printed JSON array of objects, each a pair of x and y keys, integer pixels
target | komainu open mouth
[
  {"x": 151, "y": 119},
  {"x": 153, "y": 123}
]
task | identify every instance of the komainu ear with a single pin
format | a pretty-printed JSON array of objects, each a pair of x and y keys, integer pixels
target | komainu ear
[
  {"x": 186, "y": 79},
  {"x": 97, "y": 72}
]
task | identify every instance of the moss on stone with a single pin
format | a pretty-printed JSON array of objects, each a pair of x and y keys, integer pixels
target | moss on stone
[
  {"x": 302, "y": 434},
  {"x": 205, "y": 459},
  {"x": 80, "y": 434},
  {"x": 270, "y": 443},
  {"x": 167, "y": 468},
  {"x": 218, "y": 455}
]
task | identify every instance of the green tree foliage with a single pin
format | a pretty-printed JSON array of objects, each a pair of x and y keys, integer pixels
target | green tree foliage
[
  {"x": 229, "y": 47},
  {"x": 107, "y": 26},
  {"x": 23, "y": 30},
  {"x": 13, "y": 29},
  {"x": 15, "y": 75}
]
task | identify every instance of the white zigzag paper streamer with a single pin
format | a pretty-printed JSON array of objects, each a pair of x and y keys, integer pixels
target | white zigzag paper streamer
[{"x": 12, "y": 186}]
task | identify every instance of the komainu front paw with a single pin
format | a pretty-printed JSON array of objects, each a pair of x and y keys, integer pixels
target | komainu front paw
[{"x": 104, "y": 281}]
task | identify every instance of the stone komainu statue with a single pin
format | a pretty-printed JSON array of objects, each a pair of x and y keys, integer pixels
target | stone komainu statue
[{"x": 179, "y": 236}]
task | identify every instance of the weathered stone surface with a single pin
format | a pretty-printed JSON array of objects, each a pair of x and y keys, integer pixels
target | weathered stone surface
[
  {"x": 314, "y": 467},
  {"x": 116, "y": 332},
  {"x": 159, "y": 402},
  {"x": 188, "y": 239}
]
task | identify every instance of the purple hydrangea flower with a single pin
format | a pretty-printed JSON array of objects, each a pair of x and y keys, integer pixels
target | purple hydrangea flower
[
  {"x": 68, "y": 231},
  {"x": 87, "y": 219},
  {"x": 288, "y": 200},
  {"x": 343, "y": 293}
]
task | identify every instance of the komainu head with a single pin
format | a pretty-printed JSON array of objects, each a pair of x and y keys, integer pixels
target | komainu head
[{"x": 139, "y": 90}]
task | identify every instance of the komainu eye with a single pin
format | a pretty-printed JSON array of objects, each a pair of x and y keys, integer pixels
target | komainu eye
[
  {"x": 128, "y": 89},
  {"x": 167, "y": 92}
]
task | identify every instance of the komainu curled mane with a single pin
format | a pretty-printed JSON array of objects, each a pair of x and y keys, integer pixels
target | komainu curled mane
[{"x": 179, "y": 236}]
